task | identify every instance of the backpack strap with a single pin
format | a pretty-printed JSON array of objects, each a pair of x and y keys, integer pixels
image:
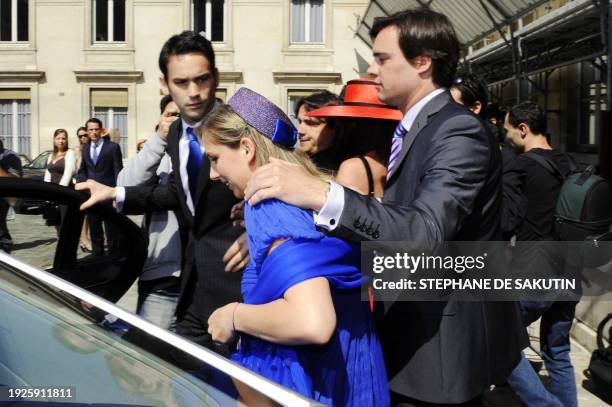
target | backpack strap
[
  {"x": 590, "y": 170},
  {"x": 600, "y": 328},
  {"x": 369, "y": 173},
  {"x": 547, "y": 163}
]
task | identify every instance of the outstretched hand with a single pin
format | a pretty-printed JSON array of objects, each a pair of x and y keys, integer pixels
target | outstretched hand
[
  {"x": 99, "y": 193},
  {"x": 287, "y": 182}
]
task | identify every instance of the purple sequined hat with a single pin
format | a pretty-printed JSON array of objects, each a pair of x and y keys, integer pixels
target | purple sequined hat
[{"x": 264, "y": 116}]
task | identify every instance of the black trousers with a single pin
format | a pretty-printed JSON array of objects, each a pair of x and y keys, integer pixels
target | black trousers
[
  {"x": 97, "y": 235},
  {"x": 399, "y": 400}
]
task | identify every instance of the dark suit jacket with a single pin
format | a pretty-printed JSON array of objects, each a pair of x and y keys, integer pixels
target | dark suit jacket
[
  {"x": 206, "y": 236},
  {"x": 106, "y": 169},
  {"x": 446, "y": 186}
]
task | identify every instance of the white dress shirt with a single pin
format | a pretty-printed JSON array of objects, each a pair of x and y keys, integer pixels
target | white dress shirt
[
  {"x": 184, "y": 157},
  {"x": 98, "y": 145},
  {"x": 332, "y": 210}
]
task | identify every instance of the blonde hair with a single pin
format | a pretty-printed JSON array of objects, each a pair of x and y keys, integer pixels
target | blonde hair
[{"x": 225, "y": 127}]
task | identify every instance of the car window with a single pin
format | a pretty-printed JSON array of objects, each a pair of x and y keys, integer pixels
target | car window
[{"x": 40, "y": 162}]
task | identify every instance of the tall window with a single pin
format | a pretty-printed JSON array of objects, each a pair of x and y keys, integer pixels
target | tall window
[
  {"x": 15, "y": 120},
  {"x": 307, "y": 21},
  {"x": 209, "y": 16},
  {"x": 108, "y": 20},
  {"x": 13, "y": 20},
  {"x": 111, "y": 107}
]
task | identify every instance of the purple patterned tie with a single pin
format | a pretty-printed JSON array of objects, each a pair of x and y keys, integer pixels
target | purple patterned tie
[{"x": 396, "y": 147}]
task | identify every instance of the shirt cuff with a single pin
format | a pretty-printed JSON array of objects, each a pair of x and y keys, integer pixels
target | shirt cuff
[
  {"x": 119, "y": 199},
  {"x": 329, "y": 215}
]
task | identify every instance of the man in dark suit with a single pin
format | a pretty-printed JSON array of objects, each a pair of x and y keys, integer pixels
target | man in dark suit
[
  {"x": 444, "y": 184},
  {"x": 102, "y": 162},
  {"x": 202, "y": 206}
]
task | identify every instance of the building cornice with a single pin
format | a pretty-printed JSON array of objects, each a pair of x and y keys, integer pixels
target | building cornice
[
  {"x": 307, "y": 77},
  {"x": 103, "y": 75},
  {"x": 230, "y": 76},
  {"x": 21, "y": 76}
]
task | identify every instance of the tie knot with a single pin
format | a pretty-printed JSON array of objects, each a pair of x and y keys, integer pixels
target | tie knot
[
  {"x": 191, "y": 134},
  {"x": 400, "y": 131}
]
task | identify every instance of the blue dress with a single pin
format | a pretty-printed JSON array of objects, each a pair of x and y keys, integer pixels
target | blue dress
[{"x": 347, "y": 371}]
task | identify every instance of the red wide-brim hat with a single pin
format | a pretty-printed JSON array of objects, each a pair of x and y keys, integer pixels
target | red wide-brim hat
[{"x": 361, "y": 101}]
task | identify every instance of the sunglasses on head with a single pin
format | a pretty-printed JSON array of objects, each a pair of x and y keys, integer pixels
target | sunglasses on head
[{"x": 468, "y": 85}]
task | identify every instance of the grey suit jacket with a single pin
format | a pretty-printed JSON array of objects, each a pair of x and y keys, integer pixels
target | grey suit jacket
[{"x": 446, "y": 186}]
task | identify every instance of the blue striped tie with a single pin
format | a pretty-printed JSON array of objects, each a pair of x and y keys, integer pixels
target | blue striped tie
[
  {"x": 194, "y": 162},
  {"x": 396, "y": 147}
]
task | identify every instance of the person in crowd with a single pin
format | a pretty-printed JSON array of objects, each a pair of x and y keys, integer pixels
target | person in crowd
[
  {"x": 83, "y": 138},
  {"x": 495, "y": 117},
  {"x": 300, "y": 287},
  {"x": 443, "y": 184},
  {"x": 530, "y": 195},
  {"x": 61, "y": 166},
  {"x": 213, "y": 246},
  {"x": 471, "y": 91},
  {"x": 101, "y": 161},
  {"x": 140, "y": 144},
  {"x": 364, "y": 127},
  {"x": 317, "y": 135},
  {"x": 10, "y": 166},
  {"x": 159, "y": 283}
]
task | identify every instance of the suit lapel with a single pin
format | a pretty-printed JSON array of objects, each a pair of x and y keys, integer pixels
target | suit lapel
[
  {"x": 174, "y": 137},
  {"x": 88, "y": 155},
  {"x": 105, "y": 146},
  {"x": 421, "y": 121}
]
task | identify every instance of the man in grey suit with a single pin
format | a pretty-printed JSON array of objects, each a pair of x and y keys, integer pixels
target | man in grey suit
[{"x": 444, "y": 184}]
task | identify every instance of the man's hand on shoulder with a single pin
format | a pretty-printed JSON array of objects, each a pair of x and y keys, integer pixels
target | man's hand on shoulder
[{"x": 286, "y": 182}]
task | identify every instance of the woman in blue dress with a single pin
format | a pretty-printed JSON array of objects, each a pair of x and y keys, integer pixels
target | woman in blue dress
[{"x": 303, "y": 323}]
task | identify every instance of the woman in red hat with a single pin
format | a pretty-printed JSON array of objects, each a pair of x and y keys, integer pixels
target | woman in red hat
[{"x": 365, "y": 126}]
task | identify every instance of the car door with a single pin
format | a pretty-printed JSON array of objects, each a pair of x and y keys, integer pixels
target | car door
[{"x": 29, "y": 238}]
